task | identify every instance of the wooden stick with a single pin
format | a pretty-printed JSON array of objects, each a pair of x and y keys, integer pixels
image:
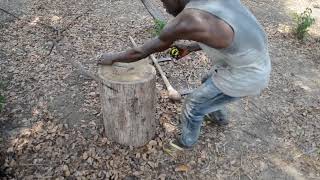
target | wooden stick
[
  {"x": 153, "y": 10},
  {"x": 76, "y": 18},
  {"x": 173, "y": 94},
  {"x": 79, "y": 66},
  {"x": 7, "y": 12}
]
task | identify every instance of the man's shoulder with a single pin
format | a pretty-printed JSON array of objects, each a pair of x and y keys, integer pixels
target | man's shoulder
[
  {"x": 209, "y": 28},
  {"x": 193, "y": 14},
  {"x": 195, "y": 19}
]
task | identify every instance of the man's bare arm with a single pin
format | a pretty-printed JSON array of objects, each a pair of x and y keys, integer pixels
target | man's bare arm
[
  {"x": 188, "y": 25},
  {"x": 137, "y": 53},
  {"x": 164, "y": 41}
]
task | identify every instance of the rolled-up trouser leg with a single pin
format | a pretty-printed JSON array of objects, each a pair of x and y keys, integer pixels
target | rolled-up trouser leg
[{"x": 205, "y": 99}]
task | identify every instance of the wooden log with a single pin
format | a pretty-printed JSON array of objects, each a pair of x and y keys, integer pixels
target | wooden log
[{"x": 129, "y": 107}]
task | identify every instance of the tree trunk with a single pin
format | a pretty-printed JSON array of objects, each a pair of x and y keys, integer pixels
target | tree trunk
[{"x": 128, "y": 107}]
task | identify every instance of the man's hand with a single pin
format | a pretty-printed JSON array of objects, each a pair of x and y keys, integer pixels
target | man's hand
[{"x": 107, "y": 59}]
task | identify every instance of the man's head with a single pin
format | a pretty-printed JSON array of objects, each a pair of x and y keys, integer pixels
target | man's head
[{"x": 174, "y": 7}]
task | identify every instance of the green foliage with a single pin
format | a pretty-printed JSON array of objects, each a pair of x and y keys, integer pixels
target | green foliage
[
  {"x": 159, "y": 25},
  {"x": 303, "y": 21}
]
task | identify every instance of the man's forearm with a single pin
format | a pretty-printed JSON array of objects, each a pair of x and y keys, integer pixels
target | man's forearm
[
  {"x": 130, "y": 55},
  {"x": 138, "y": 53}
]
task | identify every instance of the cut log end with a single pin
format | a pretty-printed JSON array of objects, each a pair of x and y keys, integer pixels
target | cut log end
[{"x": 125, "y": 73}]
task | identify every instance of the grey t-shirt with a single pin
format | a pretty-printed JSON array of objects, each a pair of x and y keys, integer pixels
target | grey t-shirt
[{"x": 243, "y": 68}]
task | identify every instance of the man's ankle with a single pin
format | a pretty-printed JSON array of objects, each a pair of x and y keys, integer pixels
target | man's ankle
[{"x": 217, "y": 118}]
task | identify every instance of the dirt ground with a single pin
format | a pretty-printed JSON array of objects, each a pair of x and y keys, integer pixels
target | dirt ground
[{"x": 51, "y": 125}]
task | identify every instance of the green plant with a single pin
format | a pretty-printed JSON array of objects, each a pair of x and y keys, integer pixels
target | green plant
[
  {"x": 303, "y": 21},
  {"x": 159, "y": 25}
]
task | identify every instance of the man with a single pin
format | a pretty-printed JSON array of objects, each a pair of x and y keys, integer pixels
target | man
[{"x": 231, "y": 36}]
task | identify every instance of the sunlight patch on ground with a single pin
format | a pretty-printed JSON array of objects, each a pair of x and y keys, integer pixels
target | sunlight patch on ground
[
  {"x": 299, "y": 5},
  {"x": 315, "y": 30},
  {"x": 287, "y": 168},
  {"x": 309, "y": 81},
  {"x": 23, "y": 138},
  {"x": 283, "y": 28},
  {"x": 303, "y": 86}
]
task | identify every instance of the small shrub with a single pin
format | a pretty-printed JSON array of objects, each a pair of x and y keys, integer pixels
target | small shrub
[
  {"x": 159, "y": 25},
  {"x": 303, "y": 21}
]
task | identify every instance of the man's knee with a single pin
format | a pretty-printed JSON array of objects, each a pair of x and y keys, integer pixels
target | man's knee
[
  {"x": 196, "y": 97},
  {"x": 193, "y": 106}
]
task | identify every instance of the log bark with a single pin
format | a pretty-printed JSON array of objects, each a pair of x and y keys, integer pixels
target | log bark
[{"x": 129, "y": 112}]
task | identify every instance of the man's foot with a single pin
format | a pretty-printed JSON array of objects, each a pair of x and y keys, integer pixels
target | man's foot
[
  {"x": 218, "y": 117},
  {"x": 177, "y": 145},
  {"x": 174, "y": 148}
]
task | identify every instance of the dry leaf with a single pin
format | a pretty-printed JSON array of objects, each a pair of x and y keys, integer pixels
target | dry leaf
[
  {"x": 165, "y": 118},
  {"x": 65, "y": 167},
  {"x": 169, "y": 127},
  {"x": 182, "y": 168},
  {"x": 151, "y": 164},
  {"x": 144, "y": 157},
  {"x": 203, "y": 155},
  {"x": 90, "y": 161},
  {"x": 67, "y": 173},
  {"x": 85, "y": 155},
  {"x": 164, "y": 94},
  {"x": 162, "y": 176},
  {"x": 104, "y": 141},
  {"x": 153, "y": 143}
]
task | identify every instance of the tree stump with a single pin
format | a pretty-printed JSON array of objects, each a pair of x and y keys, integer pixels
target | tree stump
[{"x": 129, "y": 107}]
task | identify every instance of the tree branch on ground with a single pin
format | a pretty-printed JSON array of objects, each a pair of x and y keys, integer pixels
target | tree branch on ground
[{"x": 9, "y": 13}]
